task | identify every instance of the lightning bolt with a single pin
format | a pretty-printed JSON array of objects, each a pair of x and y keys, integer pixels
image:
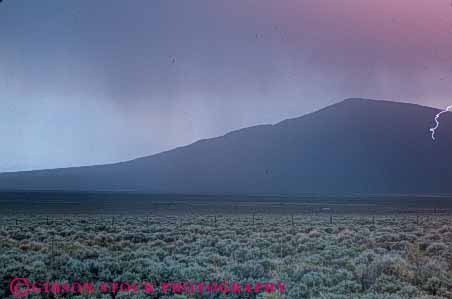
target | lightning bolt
[{"x": 433, "y": 130}]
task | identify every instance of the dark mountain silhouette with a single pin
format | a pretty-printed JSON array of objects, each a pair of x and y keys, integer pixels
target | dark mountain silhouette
[{"x": 355, "y": 146}]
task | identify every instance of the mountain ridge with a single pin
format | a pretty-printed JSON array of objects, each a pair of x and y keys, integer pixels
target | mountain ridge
[{"x": 354, "y": 146}]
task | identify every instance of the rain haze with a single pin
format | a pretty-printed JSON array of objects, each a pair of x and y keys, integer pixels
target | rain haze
[{"x": 91, "y": 82}]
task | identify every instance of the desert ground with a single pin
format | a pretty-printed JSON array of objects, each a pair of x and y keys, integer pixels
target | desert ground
[{"x": 318, "y": 250}]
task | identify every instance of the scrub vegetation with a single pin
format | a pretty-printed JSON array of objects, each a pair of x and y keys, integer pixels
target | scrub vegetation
[{"x": 342, "y": 257}]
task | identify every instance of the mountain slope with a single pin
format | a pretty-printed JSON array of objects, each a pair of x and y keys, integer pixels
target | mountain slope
[{"x": 355, "y": 146}]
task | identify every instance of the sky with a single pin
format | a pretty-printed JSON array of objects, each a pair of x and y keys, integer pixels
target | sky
[{"x": 91, "y": 82}]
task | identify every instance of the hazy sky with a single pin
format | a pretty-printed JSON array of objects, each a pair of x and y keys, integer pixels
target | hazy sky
[{"x": 88, "y": 82}]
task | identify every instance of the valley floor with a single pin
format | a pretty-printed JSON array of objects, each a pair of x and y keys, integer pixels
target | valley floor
[{"x": 359, "y": 256}]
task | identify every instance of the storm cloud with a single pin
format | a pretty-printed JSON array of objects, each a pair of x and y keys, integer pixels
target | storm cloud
[{"x": 88, "y": 82}]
